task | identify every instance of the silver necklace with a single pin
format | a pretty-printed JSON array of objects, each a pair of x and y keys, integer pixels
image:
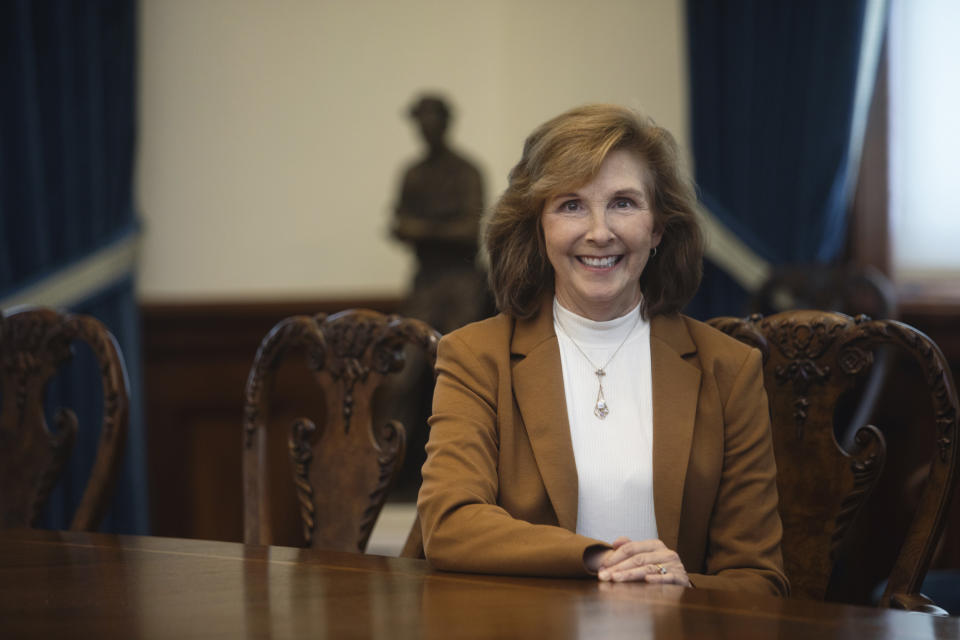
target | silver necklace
[{"x": 601, "y": 409}]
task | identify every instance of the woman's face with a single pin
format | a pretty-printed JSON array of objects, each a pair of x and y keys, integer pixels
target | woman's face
[{"x": 599, "y": 236}]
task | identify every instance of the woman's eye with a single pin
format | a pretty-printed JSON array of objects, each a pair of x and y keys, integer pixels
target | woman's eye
[
  {"x": 570, "y": 205},
  {"x": 623, "y": 203}
]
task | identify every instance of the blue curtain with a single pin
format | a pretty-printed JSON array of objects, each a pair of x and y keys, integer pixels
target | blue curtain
[
  {"x": 773, "y": 86},
  {"x": 67, "y": 108}
]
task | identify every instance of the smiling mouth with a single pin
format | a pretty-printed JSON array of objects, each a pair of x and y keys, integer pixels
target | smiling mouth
[{"x": 604, "y": 262}]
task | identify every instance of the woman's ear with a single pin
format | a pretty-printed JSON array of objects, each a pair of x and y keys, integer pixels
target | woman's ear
[{"x": 655, "y": 238}]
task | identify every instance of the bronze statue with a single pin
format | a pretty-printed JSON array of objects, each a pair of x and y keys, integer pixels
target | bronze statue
[
  {"x": 438, "y": 213},
  {"x": 441, "y": 202}
]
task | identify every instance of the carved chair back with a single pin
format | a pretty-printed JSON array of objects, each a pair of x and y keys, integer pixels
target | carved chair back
[
  {"x": 34, "y": 344},
  {"x": 343, "y": 466},
  {"x": 846, "y": 288},
  {"x": 811, "y": 360}
]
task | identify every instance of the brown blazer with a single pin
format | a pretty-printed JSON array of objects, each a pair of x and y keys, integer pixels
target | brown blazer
[{"x": 499, "y": 491}]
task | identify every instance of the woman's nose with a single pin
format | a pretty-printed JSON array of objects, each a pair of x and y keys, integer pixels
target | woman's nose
[{"x": 599, "y": 231}]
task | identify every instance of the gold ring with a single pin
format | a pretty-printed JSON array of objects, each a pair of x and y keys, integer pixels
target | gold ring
[{"x": 662, "y": 571}]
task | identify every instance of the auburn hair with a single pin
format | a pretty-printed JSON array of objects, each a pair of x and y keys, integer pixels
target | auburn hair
[{"x": 565, "y": 153}]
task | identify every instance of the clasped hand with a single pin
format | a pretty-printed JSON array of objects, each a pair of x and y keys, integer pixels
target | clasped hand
[{"x": 638, "y": 560}]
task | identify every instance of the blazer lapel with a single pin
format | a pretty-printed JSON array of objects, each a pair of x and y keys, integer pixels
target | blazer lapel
[
  {"x": 538, "y": 385},
  {"x": 676, "y": 388},
  {"x": 538, "y": 389}
]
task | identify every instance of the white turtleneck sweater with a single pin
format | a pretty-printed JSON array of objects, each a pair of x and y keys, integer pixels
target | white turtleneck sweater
[{"x": 614, "y": 456}]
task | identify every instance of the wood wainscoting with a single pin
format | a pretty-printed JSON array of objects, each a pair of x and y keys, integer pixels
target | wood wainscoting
[{"x": 196, "y": 360}]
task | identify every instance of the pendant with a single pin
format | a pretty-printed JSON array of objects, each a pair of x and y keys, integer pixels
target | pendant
[{"x": 600, "y": 409}]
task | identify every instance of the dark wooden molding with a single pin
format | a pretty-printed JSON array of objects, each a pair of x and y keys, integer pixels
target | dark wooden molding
[
  {"x": 196, "y": 360},
  {"x": 207, "y": 326}
]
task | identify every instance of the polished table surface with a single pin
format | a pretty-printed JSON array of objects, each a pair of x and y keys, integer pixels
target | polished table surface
[{"x": 61, "y": 585}]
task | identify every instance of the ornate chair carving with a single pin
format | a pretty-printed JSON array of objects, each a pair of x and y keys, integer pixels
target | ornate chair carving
[
  {"x": 343, "y": 466},
  {"x": 845, "y": 288},
  {"x": 811, "y": 359},
  {"x": 34, "y": 344}
]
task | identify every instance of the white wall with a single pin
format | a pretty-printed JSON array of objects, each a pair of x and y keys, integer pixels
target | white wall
[{"x": 272, "y": 133}]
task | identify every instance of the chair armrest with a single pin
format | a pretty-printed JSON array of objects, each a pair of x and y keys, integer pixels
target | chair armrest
[{"x": 916, "y": 602}]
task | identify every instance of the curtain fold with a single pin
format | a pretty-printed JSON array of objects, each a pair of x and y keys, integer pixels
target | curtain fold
[
  {"x": 67, "y": 135},
  {"x": 773, "y": 107}
]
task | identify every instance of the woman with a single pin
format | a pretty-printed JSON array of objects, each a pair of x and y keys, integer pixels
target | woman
[{"x": 589, "y": 428}]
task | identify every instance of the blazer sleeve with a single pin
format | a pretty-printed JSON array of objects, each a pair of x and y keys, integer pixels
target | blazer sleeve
[
  {"x": 464, "y": 529},
  {"x": 743, "y": 549}
]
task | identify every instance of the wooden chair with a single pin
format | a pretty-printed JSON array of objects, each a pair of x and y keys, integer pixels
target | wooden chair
[
  {"x": 811, "y": 360},
  {"x": 34, "y": 344},
  {"x": 343, "y": 466}
]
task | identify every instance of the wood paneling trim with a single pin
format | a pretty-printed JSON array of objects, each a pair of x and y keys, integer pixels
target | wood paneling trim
[
  {"x": 196, "y": 361},
  {"x": 935, "y": 310},
  {"x": 228, "y": 325}
]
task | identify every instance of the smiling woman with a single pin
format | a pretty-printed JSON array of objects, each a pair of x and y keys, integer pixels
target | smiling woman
[{"x": 590, "y": 429}]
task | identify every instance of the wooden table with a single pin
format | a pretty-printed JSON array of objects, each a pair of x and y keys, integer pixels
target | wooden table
[{"x": 60, "y": 585}]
